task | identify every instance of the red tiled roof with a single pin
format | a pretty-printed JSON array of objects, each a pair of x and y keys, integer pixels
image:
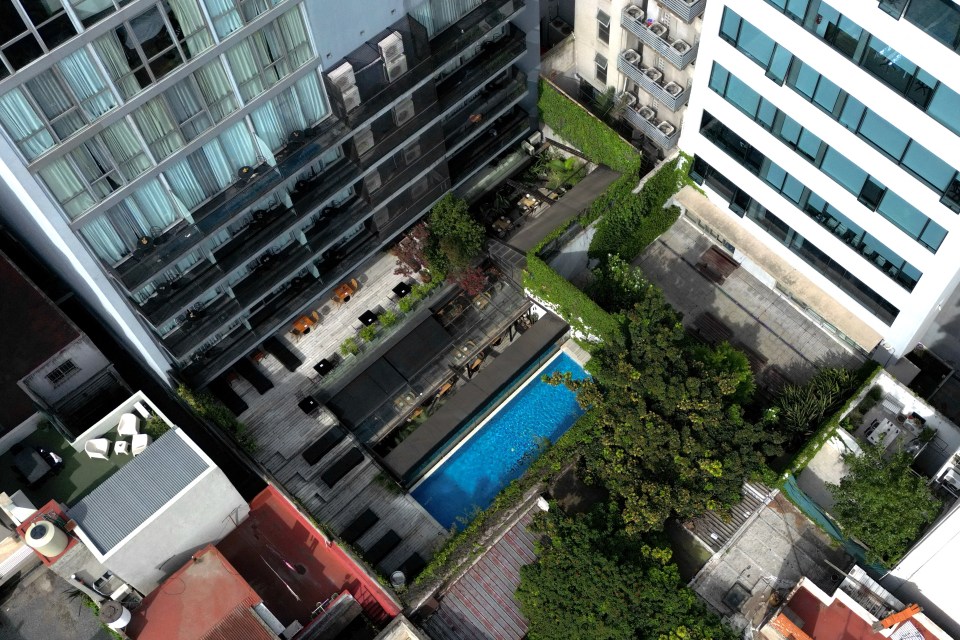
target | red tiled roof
[
  {"x": 822, "y": 622},
  {"x": 204, "y": 598}
]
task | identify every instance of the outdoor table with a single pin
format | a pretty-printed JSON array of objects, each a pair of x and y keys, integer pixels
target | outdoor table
[
  {"x": 368, "y": 317},
  {"x": 323, "y": 367},
  {"x": 32, "y": 465},
  {"x": 304, "y": 323},
  {"x": 308, "y": 405},
  {"x": 402, "y": 290}
]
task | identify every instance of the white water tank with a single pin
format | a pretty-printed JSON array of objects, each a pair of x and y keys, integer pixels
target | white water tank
[
  {"x": 114, "y": 615},
  {"x": 46, "y": 538}
]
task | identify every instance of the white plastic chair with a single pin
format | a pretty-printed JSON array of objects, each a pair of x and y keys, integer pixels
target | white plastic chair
[
  {"x": 97, "y": 448},
  {"x": 129, "y": 425},
  {"x": 139, "y": 443}
]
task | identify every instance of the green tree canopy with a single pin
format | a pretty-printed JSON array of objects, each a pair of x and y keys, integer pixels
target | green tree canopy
[
  {"x": 456, "y": 239},
  {"x": 883, "y": 503},
  {"x": 591, "y": 581}
]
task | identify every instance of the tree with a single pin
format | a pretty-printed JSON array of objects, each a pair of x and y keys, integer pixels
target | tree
[
  {"x": 593, "y": 581},
  {"x": 671, "y": 438},
  {"x": 456, "y": 239},
  {"x": 883, "y": 503}
]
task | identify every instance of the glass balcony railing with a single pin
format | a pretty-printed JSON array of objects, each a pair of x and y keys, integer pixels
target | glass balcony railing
[
  {"x": 495, "y": 56},
  {"x": 491, "y": 100},
  {"x": 488, "y": 143}
]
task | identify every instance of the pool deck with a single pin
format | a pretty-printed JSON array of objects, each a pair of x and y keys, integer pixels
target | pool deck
[{"x": 404, "y": 460}]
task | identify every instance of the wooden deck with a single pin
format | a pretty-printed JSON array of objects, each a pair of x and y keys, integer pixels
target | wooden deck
[
  {"x": 283, "y": 431},
  {"x": 481, "y": 604}
]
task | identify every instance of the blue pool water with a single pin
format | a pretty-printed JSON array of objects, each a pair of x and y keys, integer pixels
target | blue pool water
[{"x": 503, "y": 448}]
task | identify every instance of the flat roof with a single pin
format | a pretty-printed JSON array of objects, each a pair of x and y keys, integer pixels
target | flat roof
[
  {"x": 472, "y": 396},
  {"x": 205, "y": 599},
  {"x": 34, "y": 331}
]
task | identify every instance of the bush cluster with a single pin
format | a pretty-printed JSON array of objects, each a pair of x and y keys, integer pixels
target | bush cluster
[{"x": 213, "y": 410}]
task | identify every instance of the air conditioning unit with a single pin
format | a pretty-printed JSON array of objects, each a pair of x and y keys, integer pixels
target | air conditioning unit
[
  {"x": 403, "y": 111},
  {"x": 412, "y": 153},
  {"x": 391, "y": 47},
  {"x": 342, "y": 77},
  {"x": 372, "y": 182},
  {"x": 351, "y": 99},
  {"x": 363, "y": 141},
  {"x": 396, "y": 67}
]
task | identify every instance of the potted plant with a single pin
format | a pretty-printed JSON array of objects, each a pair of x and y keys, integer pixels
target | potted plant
[
  {"x": 368, "y": 333},
  {"x": 349, "y": 347}
]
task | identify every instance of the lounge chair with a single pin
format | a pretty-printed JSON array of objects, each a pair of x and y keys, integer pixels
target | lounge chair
[{"x": 97, "y": 448}]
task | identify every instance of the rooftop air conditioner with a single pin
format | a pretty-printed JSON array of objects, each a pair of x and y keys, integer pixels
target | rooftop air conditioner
[
  {"x": 351, "y": 99},
  {"x": 363, "y": 141},
  {"x": 372, "y": 182},
  {"x": 391, "y": 47},
  {"x": 396, "y": 67},
  {"x": 411, "y": 153},
  {"x": 403, "y": 111},
  {"x": 342, "y": 77}
]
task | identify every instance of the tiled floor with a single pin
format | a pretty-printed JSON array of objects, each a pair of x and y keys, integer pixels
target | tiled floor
[{"x": 760, "y": 319}]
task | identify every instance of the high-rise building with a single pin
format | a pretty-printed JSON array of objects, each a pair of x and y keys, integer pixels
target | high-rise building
[
  {"x": 828, "y": 135},
  {"x": 203, "y": 171},
  {"x": 645, "y": 52}
]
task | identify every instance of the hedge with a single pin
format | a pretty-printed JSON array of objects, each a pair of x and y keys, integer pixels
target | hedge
[
  {"x": 579, "y": 127},
  {"x": 630, "y": 221}
]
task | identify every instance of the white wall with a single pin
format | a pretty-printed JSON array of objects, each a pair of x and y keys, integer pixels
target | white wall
[
  {"x": 940, "y": 271},
  {"x": 84, "y": 355}
]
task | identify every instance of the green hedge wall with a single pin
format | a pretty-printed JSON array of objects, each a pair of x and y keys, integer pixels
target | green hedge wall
[
  {"x": 596, "y": 140},
  {"x": 573, "y": 305},
  {"x": 630, "y": 221}
]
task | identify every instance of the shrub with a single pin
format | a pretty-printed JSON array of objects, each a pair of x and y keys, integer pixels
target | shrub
[
  {"x": 455, "y": 239},
  {"x": 596, "y": 140},
  {"x": 154, "y": 426},
  {"x": 407, "y": 304},
  {"x": 208, "y": 407},
  {"x": 349, "y": 347},
  {"x": 582, "y": 313},
  {"x": 368, "y": 333},
  {"x": 387, "y": 319}
]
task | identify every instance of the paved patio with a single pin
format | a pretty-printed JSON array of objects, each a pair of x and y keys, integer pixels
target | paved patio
[{"x": 759, "y": 318}]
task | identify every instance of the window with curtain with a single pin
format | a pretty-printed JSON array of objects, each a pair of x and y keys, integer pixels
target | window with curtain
[
  {"x": 105, "y": 241},
  {"x": 437, "y": 15},
  {"x": 24, "y": 125},
  {"x": 22, "y": 44},
  {"x": 146, "y": 48},
  {"x": 230, "y": 15},
  {"x": 261, "y": 60},
  {"x": 296, "y": 108},
  {"x": 213, "y": 167}
]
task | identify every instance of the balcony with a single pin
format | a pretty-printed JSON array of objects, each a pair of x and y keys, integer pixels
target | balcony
[
  {"x": 195, "y": 331},
  {"x": 662, "y": 133},
  {"x": 490, "y": 100},
  {"x": 270, "y": 270},
  {"x": 495, "y": 56},
  {"x": 470, "y": 28},
  {"x": 671, "y": 94},
  {"x": 222, "y": 208},
  {"x": 686, "y": 10},
  {"x": 487, "y": 145},
  {"x": 657, "y": 36},
  {"x": 401, "y": 215}
]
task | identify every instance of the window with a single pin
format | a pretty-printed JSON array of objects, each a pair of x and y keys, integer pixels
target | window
[
  {"x": 230, "y": 15},
  {"x": 603, "y": 27},
  {"x": 30, "y": 28},
  {"x": 940, "y": 19},
  {"x": 601, "y": 64},
  {"x": 270, "y": 54},
  {"x": 62, "y": 372}
]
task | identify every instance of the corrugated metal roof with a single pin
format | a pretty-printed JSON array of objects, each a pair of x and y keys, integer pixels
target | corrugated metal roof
[
  {"x": 139, "y": 489},
  {"x": 241, "y": 623}
]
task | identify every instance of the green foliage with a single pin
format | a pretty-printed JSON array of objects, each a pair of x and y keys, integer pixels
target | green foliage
[
  {"x": 801, "y": 409},
  {"x": 349, "y": 347},
  {"x": 368, "y": 333},
  {"x": 576, "y": 125},
  {"x": 407, "y": 304},
  {"x": 883, "y": 503},
  {"x": 387, "y": 319},
  {"x": 630, "y": 221},
  {"x": 582, "y": 313},
  {"x": 154, "y": 426},
  {"x": 670, "y": 438},
  {"x": 616, "y": 285},
  {"x": 456, "y": 239},
  {"x": 591, "y": 581},
  {"x": 209, "y": 408}
]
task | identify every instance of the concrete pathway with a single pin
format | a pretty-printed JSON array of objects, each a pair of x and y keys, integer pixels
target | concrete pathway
[{"x": 759, "y": 318}]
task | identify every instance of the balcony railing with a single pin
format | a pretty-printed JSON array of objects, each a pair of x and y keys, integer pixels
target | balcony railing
[
  {"x": 487, "y": 145},
  {"x": 219, "y": 210},
  {"x": 684, "y": 9},
  {"x": 496, "y": 55},
  {"x": 195, "y": 331},
  {"x": 473, "y": 26},
  {"x": 662, "y": 133},
  {"x": 671, "y": 95},
  {"x": 679, "y": 53},
  {"x": 489, "y": 101}
]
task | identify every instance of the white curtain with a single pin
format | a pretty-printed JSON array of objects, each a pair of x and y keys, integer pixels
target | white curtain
[
  {"x": 192, "y": 24},
  {"x": 113, "y": 58},
  {"x": 246, "y": 71},
  {"x": 185, "y": 106},
  {"x": 311, "y": 98},
  {"x": 126, "y": 150},
  {"x": 238, "y": 146},
  {"x": 67, "y": 187},
  {"x": 437, "y": 15},
  {"x": 184, "y": 184},
  {"x": 158, "y": 128},
  {"x": 24, "y": 125},
  {"x": 86, "y": 83},
  {"x": 56, "y": 105},
  {"x": 105, "y": 240},
  {"x": 150, "y": 207},
  {"x": 216, "y": 89},
  {"x": 226, "y": 18}
]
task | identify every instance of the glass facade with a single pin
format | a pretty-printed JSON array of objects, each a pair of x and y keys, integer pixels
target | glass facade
[
  {"x": 847, "y": 174},
  {"x": 876, "y": 57},
  {"x": 744, "y": 205},
  {"x": 943, "y": 179}
]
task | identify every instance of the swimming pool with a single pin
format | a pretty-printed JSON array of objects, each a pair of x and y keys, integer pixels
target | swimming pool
[{"x": 501, "y": 448}]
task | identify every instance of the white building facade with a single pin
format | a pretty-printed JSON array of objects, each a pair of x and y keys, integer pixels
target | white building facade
[{"x": 830, "y": 132}]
